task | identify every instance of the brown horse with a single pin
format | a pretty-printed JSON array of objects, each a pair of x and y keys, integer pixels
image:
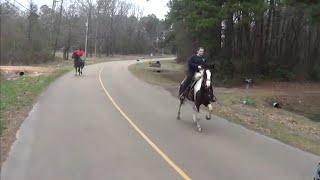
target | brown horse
[{"x": 78, "y": 65}]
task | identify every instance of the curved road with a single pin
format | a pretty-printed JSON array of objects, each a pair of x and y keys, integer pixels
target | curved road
[{"x": 76, "y": 131}]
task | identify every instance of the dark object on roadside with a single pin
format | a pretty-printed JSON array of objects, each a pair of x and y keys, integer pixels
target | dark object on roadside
[
  {"x": 155, "y": 66},
  {"x": 317, "y": 173},
  {"x": 248, "y": 82},
  {"x": 138, "y": 60},
  {"x": 276, "y": 105},
  {"x": 21, "y": 73}
]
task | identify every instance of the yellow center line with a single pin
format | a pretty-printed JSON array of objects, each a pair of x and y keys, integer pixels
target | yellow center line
[{"x": 143, "y": 135}]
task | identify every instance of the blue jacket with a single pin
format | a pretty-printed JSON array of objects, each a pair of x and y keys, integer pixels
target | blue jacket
[{"x": 194, "y": 62}]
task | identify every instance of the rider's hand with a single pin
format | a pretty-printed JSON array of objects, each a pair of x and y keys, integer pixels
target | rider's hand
[{"x": 199, "y": 67}]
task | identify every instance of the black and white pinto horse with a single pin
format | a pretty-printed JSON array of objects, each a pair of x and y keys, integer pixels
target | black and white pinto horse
[
  {"x": 200, "y": 94},
  {"x": 78, "y": 65}
]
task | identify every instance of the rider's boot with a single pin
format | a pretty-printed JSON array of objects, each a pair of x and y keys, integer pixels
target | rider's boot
[{"x": 185, "y": 93}]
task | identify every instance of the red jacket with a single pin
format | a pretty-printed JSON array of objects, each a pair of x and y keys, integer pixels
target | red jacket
[{"x": 79, "y": 53}]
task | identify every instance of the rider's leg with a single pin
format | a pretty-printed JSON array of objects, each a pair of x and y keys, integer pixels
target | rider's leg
[{"x": 186, "y": 84}]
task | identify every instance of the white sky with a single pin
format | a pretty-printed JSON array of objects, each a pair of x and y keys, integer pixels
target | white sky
[{"x": 157, "y": 7}]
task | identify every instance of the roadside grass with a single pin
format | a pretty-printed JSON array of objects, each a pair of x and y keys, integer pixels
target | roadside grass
[
  {"x": 171, "y": 74},
  {"x": 250, "y": 108},
  {"x": 22, "y": 92}
]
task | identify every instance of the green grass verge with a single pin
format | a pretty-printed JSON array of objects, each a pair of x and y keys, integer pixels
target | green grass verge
[
  {"x": 248, "y": 101},
  {"x": 171, "y": 74},
  {"x": 15, "y": 94}
]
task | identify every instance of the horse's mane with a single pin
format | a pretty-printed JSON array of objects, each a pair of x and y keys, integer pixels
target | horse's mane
[{"x": 209, "y": 66}]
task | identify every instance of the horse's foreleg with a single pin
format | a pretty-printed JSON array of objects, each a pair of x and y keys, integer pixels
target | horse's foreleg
[
  {"x": 208, "y": 116},
  {"x": 81, "y": 68},
  {"x": 76, "y": 70},
  {"x": 196, "y": 118}
]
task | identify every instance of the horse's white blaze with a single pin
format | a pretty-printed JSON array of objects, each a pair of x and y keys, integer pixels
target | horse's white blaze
[{"x": 208, "y": 83}]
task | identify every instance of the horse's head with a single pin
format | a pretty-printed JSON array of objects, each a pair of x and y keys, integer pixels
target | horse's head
[
  {"x": 207, "y": 82},
  {"x": 206, "y": 75}
]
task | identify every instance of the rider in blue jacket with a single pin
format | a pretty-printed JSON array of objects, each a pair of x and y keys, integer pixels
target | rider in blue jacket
[{"x": 194, "y": 64}]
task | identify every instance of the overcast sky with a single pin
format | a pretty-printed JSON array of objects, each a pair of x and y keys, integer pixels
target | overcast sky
[{"x": 157, "y": 7}]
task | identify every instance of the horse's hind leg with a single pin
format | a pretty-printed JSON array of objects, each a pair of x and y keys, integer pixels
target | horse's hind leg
[
  {"x": 76, "y": 70},
  {"x": 179, "y": 111}
]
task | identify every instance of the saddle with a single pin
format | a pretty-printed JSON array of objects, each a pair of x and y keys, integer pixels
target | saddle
[{"x": 189, "y": 91}]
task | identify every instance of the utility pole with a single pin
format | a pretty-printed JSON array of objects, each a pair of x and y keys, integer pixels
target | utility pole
[
  {"x": 96, "y": 34},
  {"x": 52, "y": 22},
  {"x": 0, "y": 27},
  {"x": 58, "y": 30},
  {"x": 86, "y": 43},
  {"x": 87, "y": 30}
]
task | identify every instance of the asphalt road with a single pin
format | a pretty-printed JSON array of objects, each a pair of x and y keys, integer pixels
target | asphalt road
[{"x": 108, "y": 124}]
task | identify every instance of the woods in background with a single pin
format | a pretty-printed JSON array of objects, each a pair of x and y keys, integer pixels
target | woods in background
[
  {"x": 269, "y": 38},
  {"x": 273, "y": 38},
  {"x": 32, "y": 35}
]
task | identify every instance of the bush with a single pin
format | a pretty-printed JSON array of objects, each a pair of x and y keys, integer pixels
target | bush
[
  {"x": 283, "y": 74},
  {"x": 315, "y": 73},
  {"x": 247, "y": 101},
  {"x": 226, "y": 67},
  {"x": 2, "y": 127}
]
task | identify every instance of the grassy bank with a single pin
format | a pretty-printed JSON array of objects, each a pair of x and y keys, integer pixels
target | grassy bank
[
  {"x": 22, "y": 92},
  {"x": 257, "y": 113},
  {"x": 171, "y": 73}
]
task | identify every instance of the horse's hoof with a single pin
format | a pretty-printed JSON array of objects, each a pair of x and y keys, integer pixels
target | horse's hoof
[
  {"x": 178, "y": 118},
  {"x": 208, "y": 117},
  {"x": 199, "y": 129}
]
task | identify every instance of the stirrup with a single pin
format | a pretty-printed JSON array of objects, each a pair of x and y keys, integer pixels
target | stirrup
[{"x": 182, "y": 96}]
